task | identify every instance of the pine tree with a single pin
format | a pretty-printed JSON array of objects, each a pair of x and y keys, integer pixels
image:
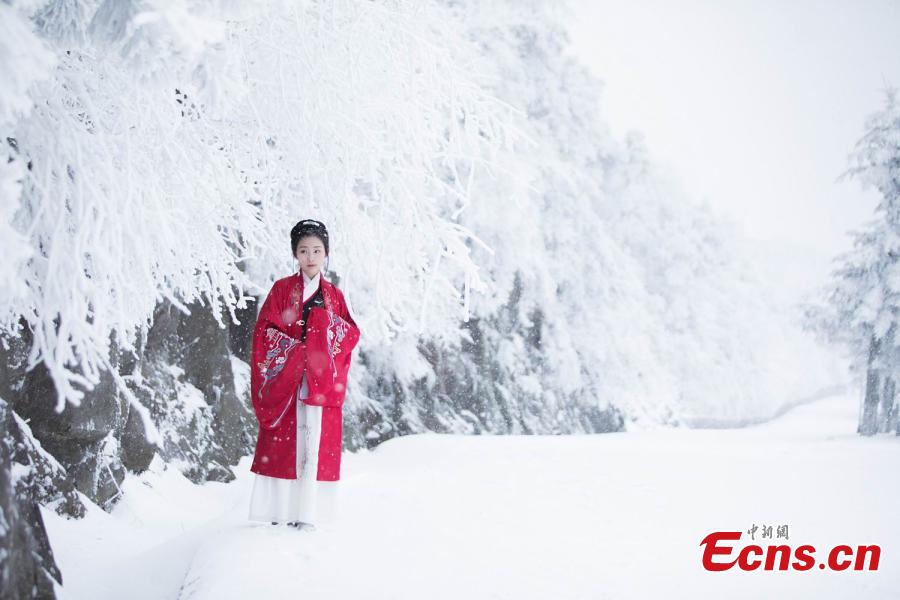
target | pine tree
[{"x": 862, "y": 300}]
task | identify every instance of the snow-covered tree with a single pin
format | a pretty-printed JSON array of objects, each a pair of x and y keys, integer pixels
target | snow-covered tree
[
  {"x": 514, "y": 267},
  {"x": 609, "y": 287},
  {"x": 861, "y": 304},
  {"x": 174, "y": 142},
  {"x": 158, "y": 153}
]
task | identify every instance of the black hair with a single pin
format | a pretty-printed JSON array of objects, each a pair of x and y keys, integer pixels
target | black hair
[{"x": 308, "y": 227}]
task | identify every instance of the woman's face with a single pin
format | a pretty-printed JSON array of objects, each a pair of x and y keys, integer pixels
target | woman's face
[{"x": 310, "y": 254}]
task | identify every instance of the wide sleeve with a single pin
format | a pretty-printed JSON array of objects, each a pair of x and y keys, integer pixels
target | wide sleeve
[
  {"x": 353, "y": 333},
  {"x": 276, "y": 360},
  {"x": 343, "y": 354},
  {"x": 331, "y": 338},
  {"x": 344, "y": 310}
]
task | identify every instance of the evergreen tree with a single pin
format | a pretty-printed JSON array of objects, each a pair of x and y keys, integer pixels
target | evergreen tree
[{"x": 862, "y": 300}]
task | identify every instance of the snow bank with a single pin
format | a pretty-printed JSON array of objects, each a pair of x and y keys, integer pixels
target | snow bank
[{"x": 444, "y": 516}]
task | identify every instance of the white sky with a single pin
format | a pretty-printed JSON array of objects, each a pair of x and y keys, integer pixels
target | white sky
[{"x": 753, "y": 105}]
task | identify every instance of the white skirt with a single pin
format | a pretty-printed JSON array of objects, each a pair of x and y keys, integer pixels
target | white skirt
[{"x": 284, "y": 500}]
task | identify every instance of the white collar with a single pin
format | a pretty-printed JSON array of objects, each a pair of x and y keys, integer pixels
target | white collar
[{"x": 307, "y": 280}]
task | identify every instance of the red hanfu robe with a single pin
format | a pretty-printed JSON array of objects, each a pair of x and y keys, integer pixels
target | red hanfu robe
[{"x": 278, "y": 362}]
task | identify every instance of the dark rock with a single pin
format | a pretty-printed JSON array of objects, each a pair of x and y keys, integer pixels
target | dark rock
[
  {"x": 136, "y": 451},
  {"x": 52, "y": 485},
  {"x": 206, "y": 426},
  {"x": 181, "y": 374},
  {"x": 83, "y": 438},
  {"x": 27, "y": 566},
  {"x": 473, "y": 391},
  {"x": 240, "y": 335}
]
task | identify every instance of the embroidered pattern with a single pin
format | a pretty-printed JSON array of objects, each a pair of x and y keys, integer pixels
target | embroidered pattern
[
  {"x": 335, "y": 334},
  {"x": 279, "y": 344}
]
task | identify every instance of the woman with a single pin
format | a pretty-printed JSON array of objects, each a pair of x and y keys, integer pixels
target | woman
[{"x": 302, "y": 344}]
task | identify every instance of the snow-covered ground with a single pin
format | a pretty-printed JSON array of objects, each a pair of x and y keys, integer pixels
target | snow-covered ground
[{"x": 564, "y": 517}]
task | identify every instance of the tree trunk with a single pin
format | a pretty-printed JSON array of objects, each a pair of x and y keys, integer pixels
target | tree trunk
[
  {"x": 868, "y": 422},
  {"x": 888, "y": 420}
]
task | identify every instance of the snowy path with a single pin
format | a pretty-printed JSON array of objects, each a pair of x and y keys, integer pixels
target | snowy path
[{"x": 601, "y": 516}]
